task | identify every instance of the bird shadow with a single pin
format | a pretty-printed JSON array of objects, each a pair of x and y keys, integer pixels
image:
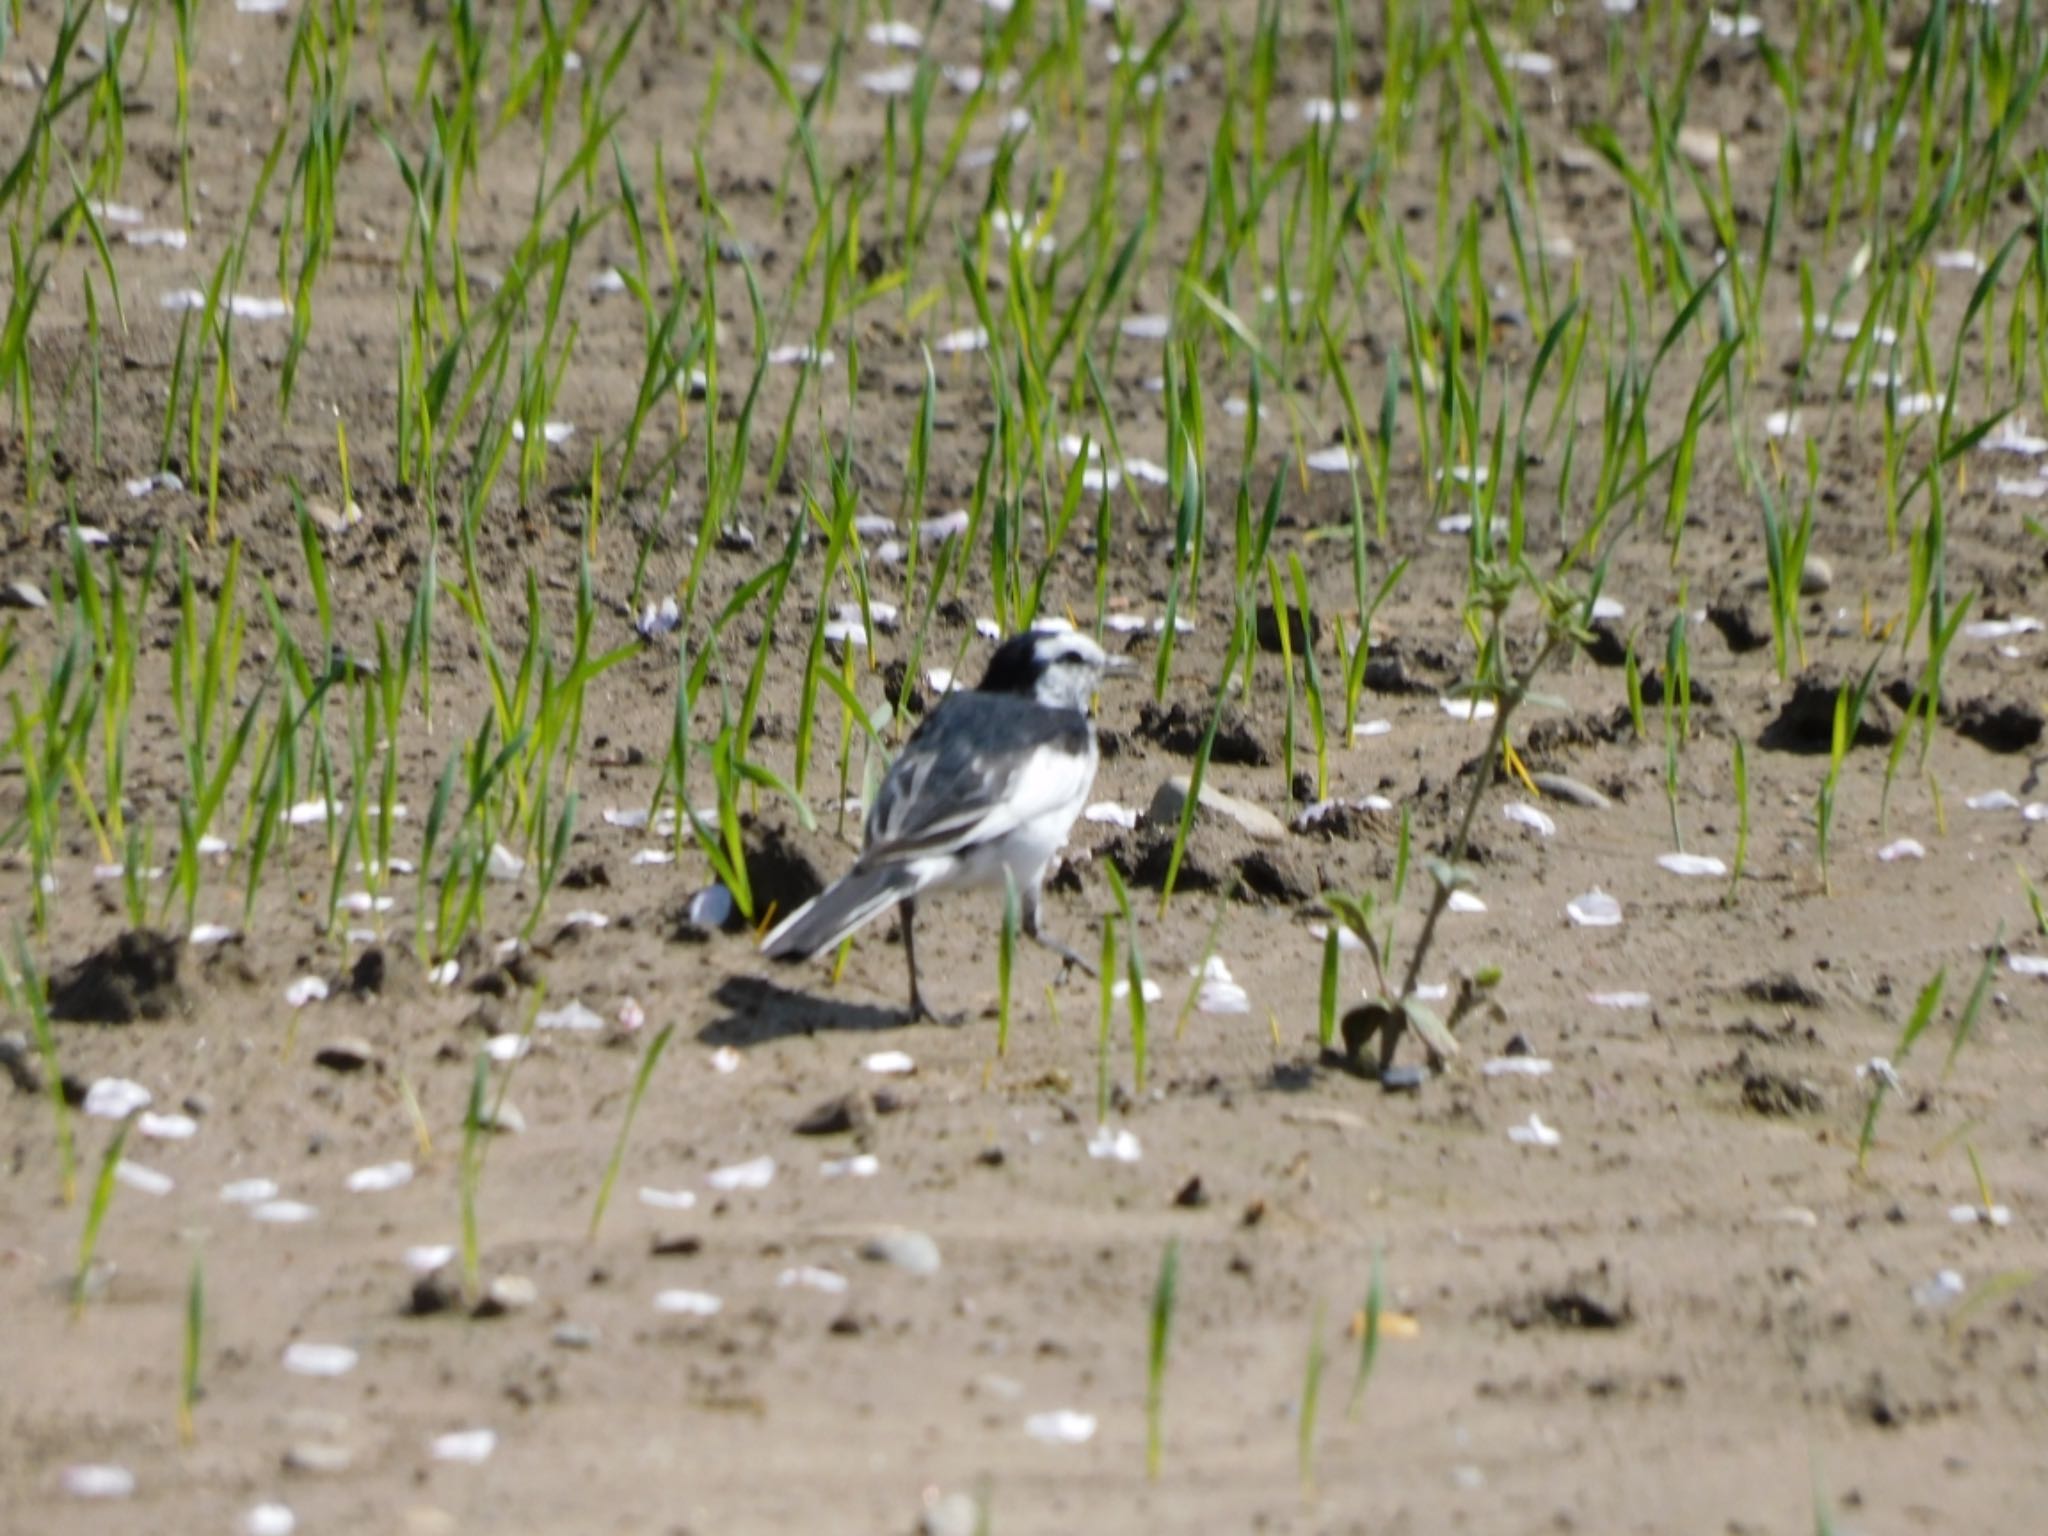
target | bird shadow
[{"x": 758, "y": 1010}]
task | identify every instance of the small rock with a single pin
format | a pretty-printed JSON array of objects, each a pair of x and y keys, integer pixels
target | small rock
[
  {"x": 351, "y": 1053},
  {"x": 1816, "y": 576},
  {"x": 848, "y": 1113},
  {"x": 505, "y": 1119},
  {"x": 906, "y": 1249},
  {"x": 948, "y": 1514},
  {"x": 22, "y": 594},
  {"x": 574, "y": 1336},
  {"x": 319, "y": 1457},
  {"x": 1192, "y": 1196},
  {"x": 1403, "y": 1078},
  {"x": 1254, "y": 821},
  {"x": 1562, "y": 786},
  {"x": 507, "y": 1293}
]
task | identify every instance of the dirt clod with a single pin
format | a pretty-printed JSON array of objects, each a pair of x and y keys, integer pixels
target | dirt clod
[
  {"x": 134, "y": 977},
  {"x": 1180, "y": 729},
  {"x": 1999, "y": 725},
  {"x": 1807, "y": 722},
  {"x": 1775, "y": 1093}
]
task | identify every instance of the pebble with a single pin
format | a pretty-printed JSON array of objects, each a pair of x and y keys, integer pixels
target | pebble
[
  {"x": 948, "y": 1514},
  {"x": 307, "y": 1359},
  {"x": 1063, "y": 1426},
  {"x": 307, "y": 989},
  {"x": 905, "y": 1248},
  {"x": 22, "y": 594},
  {"x": 269, "y": 1520},
  {"x": 688, "y": 1303},
  {"x": 1254, "y": 821},
  {"x": 467, "y": 1447},
  {"x": 1403, "y": 1079},
  {"x": 574, "y": 1336},
  {"x": 755, "y": 1174},
  {"x": 507, "y": 1293},
  {"x": 1561, "y": 786},
  {"x": 572, "y": 1016},
  {"x": 115, "y": 1098},
  {"x": 505, "y": 1118},
  {"x": 1816, "y": 576},
  {"x": 98, "y": 1481},
  {"x": 351, "y": 1053},
  {"x": 283, "y": 1213},
  {"x": 319, "y": 1457}
]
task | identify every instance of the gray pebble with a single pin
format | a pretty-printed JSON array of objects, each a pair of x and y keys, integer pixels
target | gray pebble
[
  {"x": 575, "y": 1336},
  {"x": 906, "y": 1249},
  {"x": 1403, "y": 1079},
  {"x": 505, "y": 1119},
  {"x": 507, "y": 1293},
  {"x": 1562, "y": 786},
  {"x": 949, "y": 1514},
  {"x": 318, "y": 1457}
]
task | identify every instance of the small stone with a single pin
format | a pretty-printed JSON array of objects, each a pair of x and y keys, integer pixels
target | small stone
[
  {"x": 1562, "y": 786},
  {"x": 1253, "y": 820},
  {"x": 1816, "y": 576},
  {"x": 507, "y": 1293},
  {"x": 1192, "y": 1196},
  {"x": 574, "y": 1336},
  {"x": 948, "y": 1514},
  {"x": 906, "y": 1249},
  {"x": 848, "y": 1113},
  {"x": 319, "y": 1457},
  {"x": 505, "y": 1119},
  {"x": 351, "y": 1053},
  {"x": 22, "y": 594},
  {"x": 1402, "y": 1079}
]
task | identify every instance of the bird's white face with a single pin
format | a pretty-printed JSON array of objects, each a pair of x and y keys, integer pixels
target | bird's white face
[{"x": 1070, "y": 668}]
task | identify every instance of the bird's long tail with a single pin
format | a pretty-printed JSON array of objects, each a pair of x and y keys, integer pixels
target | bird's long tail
[{"x": 825, "y": 919}]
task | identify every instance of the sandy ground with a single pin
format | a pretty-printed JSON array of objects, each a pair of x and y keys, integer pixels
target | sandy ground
[{"x": 1691, "y": 1313}]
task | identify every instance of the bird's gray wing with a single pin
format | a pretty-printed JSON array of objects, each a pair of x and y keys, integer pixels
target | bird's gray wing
[{"x": 979, "y": 767}]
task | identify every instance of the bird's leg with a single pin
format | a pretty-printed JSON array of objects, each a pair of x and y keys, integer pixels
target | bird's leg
[
  {"x": 909, "y": 911},
  {"x": 918, "y": 1010},
  {"x": 1034, "y": 904}
]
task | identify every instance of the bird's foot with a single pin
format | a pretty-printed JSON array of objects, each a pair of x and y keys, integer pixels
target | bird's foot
[
  {"x": 918, "y": 1013},
  {"x": 1070, "y": 958}
]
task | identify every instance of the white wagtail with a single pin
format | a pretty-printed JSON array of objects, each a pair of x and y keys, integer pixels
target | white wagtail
[{"x": 988, "y": 786}]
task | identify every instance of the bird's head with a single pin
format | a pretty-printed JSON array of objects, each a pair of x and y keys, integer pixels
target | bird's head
[{"x": 1060, "y": 668}]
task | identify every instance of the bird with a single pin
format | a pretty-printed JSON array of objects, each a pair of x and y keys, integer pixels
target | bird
[{"x": 985, "y": 790}]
